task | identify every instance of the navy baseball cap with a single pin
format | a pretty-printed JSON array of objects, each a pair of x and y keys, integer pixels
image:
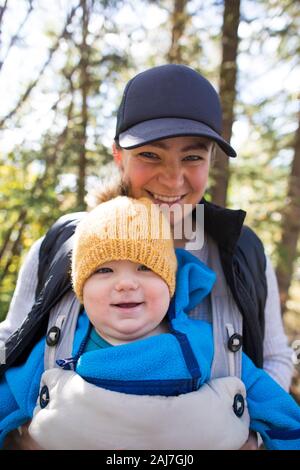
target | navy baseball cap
[{"x": 169, "y": 101}]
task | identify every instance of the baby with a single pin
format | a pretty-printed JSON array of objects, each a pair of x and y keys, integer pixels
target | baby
[
  {"x": 123, "y": 270},
  {"x": 134, "y": 336}
]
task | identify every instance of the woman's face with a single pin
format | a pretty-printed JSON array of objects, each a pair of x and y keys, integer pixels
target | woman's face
[{"x": 169, "y": 171}]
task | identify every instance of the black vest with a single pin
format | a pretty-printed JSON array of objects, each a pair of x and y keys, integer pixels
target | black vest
[{"x": 242, "y": 257}]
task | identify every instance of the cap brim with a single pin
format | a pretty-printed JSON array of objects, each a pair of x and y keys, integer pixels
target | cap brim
[{"x": 155, "y": 129}]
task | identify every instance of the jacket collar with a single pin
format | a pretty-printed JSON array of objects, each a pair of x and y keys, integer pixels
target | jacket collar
[{"x": 222, "y": 224}]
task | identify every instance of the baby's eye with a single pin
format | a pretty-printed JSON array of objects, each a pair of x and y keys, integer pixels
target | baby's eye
[
  {"x": 142, "y": 267},
  {"x": 103, "y": 270}
]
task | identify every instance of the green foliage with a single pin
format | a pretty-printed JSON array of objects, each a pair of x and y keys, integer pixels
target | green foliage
[{"x": 39, "y": 177}]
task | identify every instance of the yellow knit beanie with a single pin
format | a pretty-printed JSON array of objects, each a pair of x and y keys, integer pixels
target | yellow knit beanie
[{"x": 123, "y": 229}]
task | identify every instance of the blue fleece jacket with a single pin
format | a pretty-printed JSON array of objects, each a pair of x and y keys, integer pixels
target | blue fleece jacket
[{"x": 144, "y": 366}]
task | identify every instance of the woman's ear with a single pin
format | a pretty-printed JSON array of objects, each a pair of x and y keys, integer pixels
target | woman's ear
[{"x": 117, "y": 154}]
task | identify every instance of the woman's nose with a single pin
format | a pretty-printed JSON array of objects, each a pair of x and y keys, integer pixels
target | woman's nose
[
  {"x": 126, "y": 283},
  {"x": 173, "y": 177}
]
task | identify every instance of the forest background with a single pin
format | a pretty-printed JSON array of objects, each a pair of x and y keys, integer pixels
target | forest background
[{"x": 63, "y": 66}]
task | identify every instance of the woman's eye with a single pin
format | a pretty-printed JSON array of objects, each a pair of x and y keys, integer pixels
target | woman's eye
[
  {"x": 103, "y": 270},
  {"x": 149, "y": 155},
  {"x": 144, "y": 268},
  {"x": 193, "y": 158}
]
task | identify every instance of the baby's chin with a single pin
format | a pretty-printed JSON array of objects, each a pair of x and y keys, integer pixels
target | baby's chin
[{"x": 130, "y": 335}]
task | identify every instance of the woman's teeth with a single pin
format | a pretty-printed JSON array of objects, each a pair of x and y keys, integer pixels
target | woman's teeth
[{"x": 159, "y": 197}]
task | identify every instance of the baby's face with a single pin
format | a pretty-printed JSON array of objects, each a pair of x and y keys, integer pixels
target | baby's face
[{"x": 125, "y": 301}]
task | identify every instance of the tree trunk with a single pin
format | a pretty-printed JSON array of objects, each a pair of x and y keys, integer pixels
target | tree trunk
[
  {"x": 84, "y": 88},
  {"x": 290, "y": 226},
  {"x": 16, "y": 246},
  {"x": 228, "y": 76},
  {"x": 178, "y": 20},
  {"x": 7, "y": 237}
]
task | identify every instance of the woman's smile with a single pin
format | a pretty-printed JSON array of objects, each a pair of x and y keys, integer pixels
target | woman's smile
[{"x": 159, "y": 198}]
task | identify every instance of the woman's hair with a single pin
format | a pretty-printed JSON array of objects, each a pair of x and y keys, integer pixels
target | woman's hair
[{"x": 213, "y": 154}]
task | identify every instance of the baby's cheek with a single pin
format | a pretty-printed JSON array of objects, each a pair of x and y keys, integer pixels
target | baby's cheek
[{"x": 161, "y": 297}]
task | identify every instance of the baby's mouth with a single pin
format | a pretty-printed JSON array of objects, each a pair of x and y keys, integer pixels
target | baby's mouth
[{"x": 128, "y": 305}]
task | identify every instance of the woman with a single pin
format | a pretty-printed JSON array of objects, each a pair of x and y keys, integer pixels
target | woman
[{"x": 168, "y": 123}]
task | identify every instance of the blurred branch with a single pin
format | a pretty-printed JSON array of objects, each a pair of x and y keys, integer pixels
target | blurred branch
[
  {"x": 2, "y": 11},
  {"x": 17, "y": 34},
  {"x": 29, "y": 89}
]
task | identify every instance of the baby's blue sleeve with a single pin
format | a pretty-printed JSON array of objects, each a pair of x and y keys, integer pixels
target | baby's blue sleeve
[
  {"x": 19, "y": 388},
  {"x": 7, "y": 402},
  {"x": 273, "y": 412},
  {"x": 11, "y": 416}
]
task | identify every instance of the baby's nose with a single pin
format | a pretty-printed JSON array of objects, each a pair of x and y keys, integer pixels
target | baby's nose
[{"x": 126, "y": 283}]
